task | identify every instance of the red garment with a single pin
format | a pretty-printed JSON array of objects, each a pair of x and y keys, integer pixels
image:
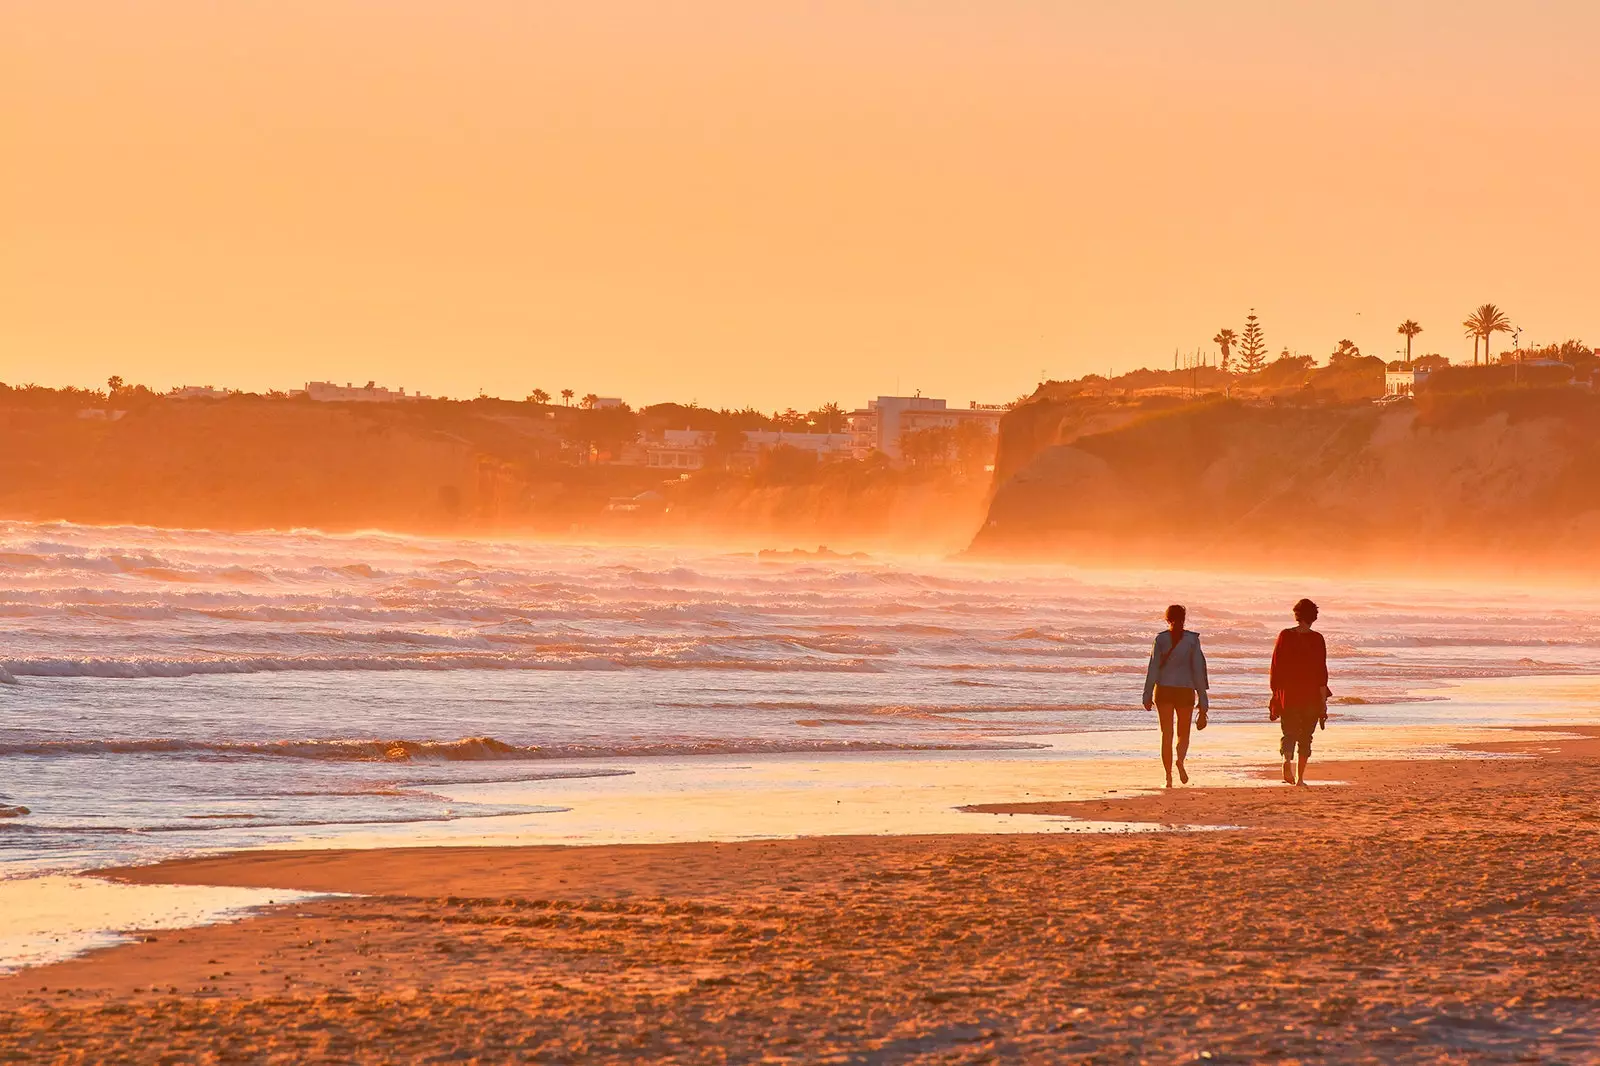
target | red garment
[{"x": 1299, "y": 676}]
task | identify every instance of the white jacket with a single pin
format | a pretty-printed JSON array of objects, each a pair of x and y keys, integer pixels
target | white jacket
[{"x": 1186, "y": 667}]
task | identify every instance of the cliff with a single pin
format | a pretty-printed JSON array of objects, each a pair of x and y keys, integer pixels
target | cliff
[
  {"x": 1511, "y": 475},
  {"x": 474, "y": 467},
  {"x": 249, "y": 463}
]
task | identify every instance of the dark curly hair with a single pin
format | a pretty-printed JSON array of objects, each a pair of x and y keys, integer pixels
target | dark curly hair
[{"x": 1305, "y": 610}]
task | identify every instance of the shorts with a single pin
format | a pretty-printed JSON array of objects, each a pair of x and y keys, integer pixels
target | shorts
[
  {"x": 1299, "y": 726},
  {"x": 1178, "y": 698},
  {"x": 1175, "y": 707}
]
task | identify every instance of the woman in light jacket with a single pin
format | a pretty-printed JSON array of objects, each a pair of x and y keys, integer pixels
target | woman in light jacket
[{"x": 1174, "y": 681}]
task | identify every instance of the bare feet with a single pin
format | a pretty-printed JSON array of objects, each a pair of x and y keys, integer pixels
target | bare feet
[
  {"x": 1183, "y": 775},
  {"x": 1169, "y": 779},
  {"x": 1288, "y": 773}
]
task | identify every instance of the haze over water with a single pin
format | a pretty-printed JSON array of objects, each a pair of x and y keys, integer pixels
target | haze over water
[{"x": 169, "y": 691}]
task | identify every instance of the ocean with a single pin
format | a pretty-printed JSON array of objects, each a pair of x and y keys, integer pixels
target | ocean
[{"x": 167, "y": 692}]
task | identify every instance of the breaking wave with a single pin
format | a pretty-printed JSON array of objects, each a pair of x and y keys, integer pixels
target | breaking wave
[
  {"x": 259, "y": 664},
  {"x": 466, "y": 749},
  {"x": 523, "y": 654}
]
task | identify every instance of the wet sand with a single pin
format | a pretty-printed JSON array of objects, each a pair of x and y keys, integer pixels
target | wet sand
[{"x": 1422, "y": 911}]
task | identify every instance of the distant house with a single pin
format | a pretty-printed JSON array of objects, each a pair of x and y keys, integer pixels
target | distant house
[
  {"x": 686, "y": 449},
  {"x": 371, "y": 392},
  {"x": 679, "y": 449},
  {"x": 196, "y": 392},
  {"x": 98, "y": 414},
  {"x": 603, "y": 402},
  {"x": 1398, "y": 384},
  {"x": 881, "y": 424},
  {"x": 822, "y": 445}
]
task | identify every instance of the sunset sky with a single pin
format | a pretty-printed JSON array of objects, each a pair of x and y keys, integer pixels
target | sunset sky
[{"x": 778, "y": 202}]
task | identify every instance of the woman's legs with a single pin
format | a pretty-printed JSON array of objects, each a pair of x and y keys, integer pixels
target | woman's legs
[
  {"x": 1185, "y": 716},
  {"x": 1165, "y": 711}
]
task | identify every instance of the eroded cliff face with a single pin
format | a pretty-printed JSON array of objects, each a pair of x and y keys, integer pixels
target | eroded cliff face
[{"x": 1506, "y": 476}]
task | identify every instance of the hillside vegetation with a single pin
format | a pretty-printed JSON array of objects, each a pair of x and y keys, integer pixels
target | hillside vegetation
[
  {"x": 1507, "y": 474},
  {"x": 483, "y": 466}
]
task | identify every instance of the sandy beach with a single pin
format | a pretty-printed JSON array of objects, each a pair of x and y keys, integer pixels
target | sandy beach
[
  {"x": 1414, "y": 911},
  {"x": 706, "y": 533}
]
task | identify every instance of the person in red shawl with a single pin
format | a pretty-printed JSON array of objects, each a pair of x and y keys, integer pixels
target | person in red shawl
[{"x": 1300, "y": 688}]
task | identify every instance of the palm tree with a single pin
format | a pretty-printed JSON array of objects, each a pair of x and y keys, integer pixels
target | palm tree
[
  {"x": 567, "y": 394},
  {"x": 588, "y": 402},
  {"x": 1471, "y": 331},
  {"x": 1225, "y": 340},
  {"x": 539, "y": 396},
  {"x": 1485, "y": 322},
  {"x": 1408, "y": 329}
]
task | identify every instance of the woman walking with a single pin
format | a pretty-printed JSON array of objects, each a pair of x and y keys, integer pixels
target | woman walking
[
  {"x": 1174, "y": 681},
  {"x": 1299, "y": 688}
]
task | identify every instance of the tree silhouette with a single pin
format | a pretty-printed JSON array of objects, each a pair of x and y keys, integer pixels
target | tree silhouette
[
  {"x": 1253, "y": 346},
  {"x": 829, "y": 418},
  {"x": 567, "y": 394},
  {"x": 1346, "y": 350},
  {"x": 927, "y": 447},
  {"x": 975, "y": 447},
  {"x": 588, "y": 402},
  {"x": 1469, "y": 329},
  {"x": 1485, "y": 322},
  {"x": 1225, "y": 339},
  {"x": 1408, "y": 329},
  {"x": 539, "y": 396},
  {"x": 113, "y": 386}
]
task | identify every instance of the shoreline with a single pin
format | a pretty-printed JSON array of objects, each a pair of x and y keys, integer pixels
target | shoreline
[
  {"x": 714, "y": 800},
  {"x": 413, "y": 869},
  {"x": 1423, "y": 910}
]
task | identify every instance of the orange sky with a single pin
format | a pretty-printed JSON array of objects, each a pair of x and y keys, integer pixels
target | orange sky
[{"x": 773, "y": 201}]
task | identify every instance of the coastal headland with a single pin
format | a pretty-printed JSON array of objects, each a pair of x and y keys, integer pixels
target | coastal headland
[
  {"x": 1501, "y": 477},
  {"x": 1484, "y": 466},
  {"x": 1425, "y": 911}
]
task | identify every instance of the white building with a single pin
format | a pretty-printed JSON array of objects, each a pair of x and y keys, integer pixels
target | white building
[
  {"x": 371, "y": 392},
  {"x": 882, "y": 423},
  {"x": 685, "y": 449},
  {"x": 822, "y": 445},
  {"x": 196, "y": 392},
  {"x": 679, "y": 449},
  {"x": 1402, "y": 383}
]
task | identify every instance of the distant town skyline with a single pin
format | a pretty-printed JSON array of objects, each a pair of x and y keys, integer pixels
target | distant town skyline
[
  {"x": 1486, "y": 319},
  {"x": 781, "y": 203}
]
